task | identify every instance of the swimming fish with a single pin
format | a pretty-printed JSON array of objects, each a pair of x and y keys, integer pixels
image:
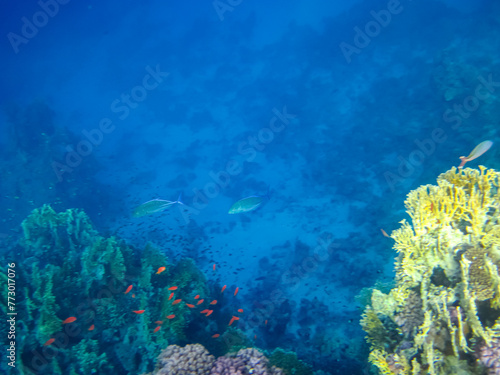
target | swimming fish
[
  {"x": 216, "y": 335},
  {"x": 236, "y": 291},
  {"x": 204, "y": 311},
  {"x": 91, "y": 328},
  {"x": 171, "y": 316},
  {"x": 153, "y": 206},
  {"x": 247, "y": 204},
  {"x": 233, "y": 319},
  {"x": 128, "y": 289},
  {"x": 156, "y": 329},
  {"x": 200, "y": 301},
  {"x": 214, "y": 267},
  {"x": 384, "y": 233},
  {"x": 223, "y": 288},
  {"x": 159, "y": 322},
  {"x": 176, "y": 301},
  {"x": 138, "y": 311},
  {"x": 172, "y": 288},
  {"x": 160, "y": 270},
  {"x": 240, "y": 310},
  {"x": 214, "y": 302},
  {"x": 477, "y": 152},
  {"x": 49, "y": 341},
  {"x": 197, "y": 296},
  {"x": 71, "y": 319},
  {"x": 190, "y": 305},
  {"x": 171, "y": 295},
  {"x": 209, "y": 312}
]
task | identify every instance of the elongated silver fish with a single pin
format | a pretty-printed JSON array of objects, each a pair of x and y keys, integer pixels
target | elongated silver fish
[
  {"x": 247, "y": 204},
  {"x": 153, "y": 206}
]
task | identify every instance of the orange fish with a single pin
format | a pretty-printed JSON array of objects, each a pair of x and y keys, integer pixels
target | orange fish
[
  {"x": 384, "y": 233},
  {"x": 197, "y": 296},
  {"x": 223, "y": 288},
  {"x": 216, "y": 335},
  {"x": 214, "y": 302},
  {"x": 240, "y": 310},
  {"x": 49, "y": 341},
  {"x": 160, "y": 270},
  {"x": 133, "y": 295},
  {"x": 214, "y": 267},
  {"x": 172, "y": 288},
  {"x": 171, "y": 295},
  {"x": 171, "y": 316},
  {"x": 265, "y": 323},
  {"x": 91, "y": 328},
  {"x": 71, "y": 319},
  {"x": 209, "y": 312},
  {"x": 156, "y": 329},
  {"x": 236, "y": 291},
  {"x": 233, "y": 319},
  {"x": 176, "y": 301},
  {"x": 200, "y": 301},
  {"x": 189, "y": 305},
  {"x": 138, "y": 311},
  {"x": 128, "y": 289},
  {"x": 159, "y": 322},
  {"x": 204, "y": 311}
]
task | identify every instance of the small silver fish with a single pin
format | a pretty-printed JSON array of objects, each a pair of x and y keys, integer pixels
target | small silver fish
[
  {"x": 153, "y": 206},
  {"x": 247, "y": 204}
]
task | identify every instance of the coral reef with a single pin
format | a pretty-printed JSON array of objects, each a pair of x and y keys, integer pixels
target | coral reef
[
  {"x": 191, "y": 359},
  {"x": 69, "y": 270},
  {"x": 195, "y": 360},
  {"x": 489, "y": 356},
  {"x": 444, "y": 310},
  {"x": 289, "y": 363}
]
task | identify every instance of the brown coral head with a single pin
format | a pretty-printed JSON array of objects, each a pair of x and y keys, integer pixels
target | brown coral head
[{"x": 489, "y": 356}]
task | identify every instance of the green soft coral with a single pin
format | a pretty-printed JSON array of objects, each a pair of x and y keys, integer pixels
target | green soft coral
[
  {"x": 70, "y": 270},
  {"x": 86, "y": 359},
  {"x": 289, "y": 363},
  {"x": 449, "y": 257}
]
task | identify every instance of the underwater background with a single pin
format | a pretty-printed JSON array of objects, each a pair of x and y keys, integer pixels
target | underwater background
[{"x": 130, "y": 129}]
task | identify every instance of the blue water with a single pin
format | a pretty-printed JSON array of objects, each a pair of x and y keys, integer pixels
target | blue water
[{"x": 338, "y": 110}]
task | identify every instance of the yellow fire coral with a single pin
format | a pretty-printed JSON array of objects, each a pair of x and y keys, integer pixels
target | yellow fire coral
[{"x": 446, "y": 301}]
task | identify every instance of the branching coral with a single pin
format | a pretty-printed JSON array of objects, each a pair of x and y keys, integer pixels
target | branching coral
[{"x": 447, "y": 293}]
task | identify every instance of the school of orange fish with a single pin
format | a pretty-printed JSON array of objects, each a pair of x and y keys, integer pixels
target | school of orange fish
[{"x": 207, "y": 311}]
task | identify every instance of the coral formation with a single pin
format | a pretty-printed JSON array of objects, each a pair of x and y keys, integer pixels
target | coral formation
[
  {"x": 69, "y": 270},
  {"x": 289, "y": 363},
  {"x": 191, "y": 359},
  {"x": 445, "y": 304},
  {"x": 195, "y": 360},
  {"x": 489, "y": 356}
]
